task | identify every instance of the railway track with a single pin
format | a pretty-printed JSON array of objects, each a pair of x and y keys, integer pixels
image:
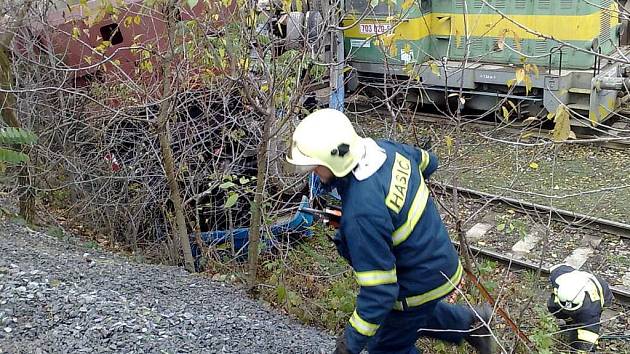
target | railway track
[
  {"x": 591, "y": 242},
  {"x": 608, "y": 138}
]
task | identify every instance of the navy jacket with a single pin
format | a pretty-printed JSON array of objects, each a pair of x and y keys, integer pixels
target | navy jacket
[
  {"x": 586, "y": 318},
  {"x": 393, "y": 237}
]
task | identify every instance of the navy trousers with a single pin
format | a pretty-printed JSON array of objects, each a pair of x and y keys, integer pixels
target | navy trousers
[{"x": 437, "y": 319}]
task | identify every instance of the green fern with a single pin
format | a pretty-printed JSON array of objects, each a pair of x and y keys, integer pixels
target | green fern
[
  {"x": 10, "y": 135},
  {"x": 11, "y": 156},
  {"x": 13, "y": 136}
]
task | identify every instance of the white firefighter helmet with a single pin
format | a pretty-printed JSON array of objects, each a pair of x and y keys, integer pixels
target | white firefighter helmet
[
  {"x": 572, "y": 289},
  {"x": 326, "y": 138}
]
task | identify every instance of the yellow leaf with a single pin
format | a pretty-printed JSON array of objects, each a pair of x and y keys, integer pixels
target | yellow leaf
[
  {"x": 511, "y": 104},
  {"x": 407, "y": 48},
  {"x": 550, "y": 115},
  {"x": 517, "y": 41},
  {"x": 407, "y": 4},
  {"x": 136, "y": 19},
  {"x": 527, "y": 135},
  {"x": 76, "y": 32},
  {"x": 128, "y": 21},
  {"x": 435, "y": 69},
  {"x": 286, "y": 5},
  {"x": 562, "y": 128},
  {"x": 530, "y": 119},
  {"x": 533, "y": 166},
  {"x": 389, "y": 42},
  {"x": 534, "y": 68},
  {"x": 501, "y": 40},
  {"x": 528, "y": 84},
  {"x": 520, "y": 75},
  {"x": 264, "y": 88},
  {"x": 510, "y": 82},
  {"x": 506, "y": 114},
  {"x": 449, "y": 143},
  {"x": 408, "y": 68}
]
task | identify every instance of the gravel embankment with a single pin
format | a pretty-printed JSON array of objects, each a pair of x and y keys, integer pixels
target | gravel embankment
[{"x": 56, "y": 299}]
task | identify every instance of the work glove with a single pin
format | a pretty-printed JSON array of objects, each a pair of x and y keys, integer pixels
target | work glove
[{"x": 342, "y": 347}]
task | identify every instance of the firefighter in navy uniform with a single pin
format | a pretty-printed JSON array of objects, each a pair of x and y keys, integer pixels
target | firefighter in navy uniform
[
  {"x": 578, "y": 298},
  {"x": 392, "y": 236}
]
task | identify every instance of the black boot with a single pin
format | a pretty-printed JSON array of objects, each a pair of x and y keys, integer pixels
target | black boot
[{"x": 479, "y": 336}]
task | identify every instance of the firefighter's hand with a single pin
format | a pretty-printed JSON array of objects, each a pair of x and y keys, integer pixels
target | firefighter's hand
[{"x": 341, "y": 345}]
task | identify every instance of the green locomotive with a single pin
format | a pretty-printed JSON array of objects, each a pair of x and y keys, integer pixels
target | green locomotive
[{"x": 545, "y": 48}]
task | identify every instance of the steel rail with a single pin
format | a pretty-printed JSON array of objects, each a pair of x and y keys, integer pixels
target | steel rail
[
  {"x": 565, "y": 216},
  {"x": 623, "y": 230},
  {"x": 621, "y": 293}
]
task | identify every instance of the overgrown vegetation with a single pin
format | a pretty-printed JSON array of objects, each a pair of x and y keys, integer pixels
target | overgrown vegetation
[
  {"x": 312, "y": 283},
  {"x": 187, "y": 136}
]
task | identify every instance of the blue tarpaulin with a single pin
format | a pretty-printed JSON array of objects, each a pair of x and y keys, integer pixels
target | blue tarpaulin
[{"x": 300, "y": 223}]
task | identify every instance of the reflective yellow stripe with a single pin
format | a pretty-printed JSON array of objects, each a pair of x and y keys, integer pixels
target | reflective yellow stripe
[
  {"x": 416, "y": 210},
  {"x": 362, "y": 326},
  {"x": 600, "y": 291},
  {"x": 376, "y": 277},
  {"x": 436, "y": 293},
  {"x": 587, "y": 336},
  {"x": 425, "y": 160}
]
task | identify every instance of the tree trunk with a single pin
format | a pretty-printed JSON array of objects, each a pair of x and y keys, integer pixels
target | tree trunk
[
  {"x": 7, "y": 109},
  {"x": 166, "y": 107},
  {"x": 255, "y": 222},
  {"x": 182, "y": 241}
]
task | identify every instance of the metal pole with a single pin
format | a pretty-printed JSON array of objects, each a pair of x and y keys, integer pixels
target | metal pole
[{"x": 337, "y": 94}]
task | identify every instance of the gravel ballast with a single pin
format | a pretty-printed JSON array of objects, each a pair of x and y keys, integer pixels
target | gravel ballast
[{"x": 56, "y": 298}]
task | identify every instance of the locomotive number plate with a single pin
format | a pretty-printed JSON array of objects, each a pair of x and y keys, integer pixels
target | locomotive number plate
[{"x": 374, "y": 28}]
